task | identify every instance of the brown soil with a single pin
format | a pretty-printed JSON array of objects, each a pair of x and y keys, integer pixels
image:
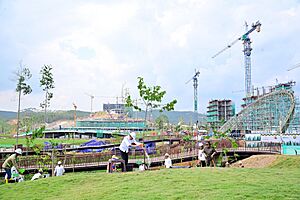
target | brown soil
[{"x": 257, "y": 161}]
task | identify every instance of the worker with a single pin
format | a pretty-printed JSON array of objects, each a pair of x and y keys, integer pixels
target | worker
[
  {"x": 37, "y": 175},
  {"x": 113, "y": 165},
  {"x": 201, "y": 156},
  {"x": 210, "y": 152},
  {"x": 10, "y": 162},
  {"x": 168, "y": 161},
  {"x": 241, "y": 165},
  {"x": 127, "y": 142},
  {"x": 59, "y": 169}
]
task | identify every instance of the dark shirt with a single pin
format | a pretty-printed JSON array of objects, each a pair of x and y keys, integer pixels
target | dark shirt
[{"x": 208, "y": 152}]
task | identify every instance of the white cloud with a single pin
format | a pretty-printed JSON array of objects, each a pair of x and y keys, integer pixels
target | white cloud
[{"x": 95, "y": 47}]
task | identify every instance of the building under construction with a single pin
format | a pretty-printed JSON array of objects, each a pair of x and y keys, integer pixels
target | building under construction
[
  {"x": 219, "y": 111},
  {"x": 272, "y": 111}
]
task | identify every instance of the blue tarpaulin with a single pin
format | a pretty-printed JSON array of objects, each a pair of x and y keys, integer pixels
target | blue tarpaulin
[
  {"x": 92, "y": 143},
  {"x": 150, "y": 147}
]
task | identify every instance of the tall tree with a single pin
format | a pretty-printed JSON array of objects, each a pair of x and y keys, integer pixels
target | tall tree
[
  {"x": 152, "y": 98},
  {"x": 23, "y": 74},
  {"x": 47, "y": 83}
]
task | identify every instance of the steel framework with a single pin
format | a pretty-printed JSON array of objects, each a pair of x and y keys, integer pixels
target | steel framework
[{"x": 271, "y": 112}]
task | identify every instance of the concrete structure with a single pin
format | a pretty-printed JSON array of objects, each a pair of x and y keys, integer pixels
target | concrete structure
[
  {"x": 117, "y": 108},
  {"x": 219, "y": 111}
]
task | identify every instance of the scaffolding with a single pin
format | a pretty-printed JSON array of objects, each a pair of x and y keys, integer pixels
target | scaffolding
[{"x": 277, "y": 111}]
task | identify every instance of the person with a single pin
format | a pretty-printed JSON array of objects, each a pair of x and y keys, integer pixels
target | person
[
  {"x": 10, "y": 162},
  {"x": 113, "y": 165},
  {"x": 227, "y": 164},
  {"x": 201, "y": 156},
  {"x": 59, "y": 169},
  {"x": 210, "y": 153},
  {"x": 168, "y": 161},
  {"x": 37, "y": 175},
  {"x": 127, "y": 142},
  {"x": 241, "y": 165}
]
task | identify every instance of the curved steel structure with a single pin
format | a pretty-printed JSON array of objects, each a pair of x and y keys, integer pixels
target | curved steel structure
[{"x": 271, "y": 112}]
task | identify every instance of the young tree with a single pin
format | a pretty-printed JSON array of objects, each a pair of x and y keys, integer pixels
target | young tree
[
  {"x": 161, "y": 121},
  {"x": 23, "y": 75},
  {"x": 152, "y": 98},
  {"x": 47, "y": 83}
]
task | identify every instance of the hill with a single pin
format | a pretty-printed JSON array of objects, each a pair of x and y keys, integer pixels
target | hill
[{"x": 174, "y": 116}]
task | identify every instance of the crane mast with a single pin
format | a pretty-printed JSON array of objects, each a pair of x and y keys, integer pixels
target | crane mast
[
  {"x": 247, "y": 53},
  {"x": 195, "y": 85}
]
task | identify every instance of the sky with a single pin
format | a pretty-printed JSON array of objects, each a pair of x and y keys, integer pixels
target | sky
[{"x": 100, "y": 48}]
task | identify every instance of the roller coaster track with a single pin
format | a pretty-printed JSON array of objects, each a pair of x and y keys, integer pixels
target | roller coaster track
[{"x": 277, "y": 97}]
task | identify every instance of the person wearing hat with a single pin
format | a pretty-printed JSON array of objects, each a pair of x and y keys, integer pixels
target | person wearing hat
[
  {"x": 10, "y": 162},
  {"x": 201, "y": 156},
  {"x": 59, "y": 169},
  {"x": 127, "y": 142},
  {"x": 113, "y": 165},
  {"x": 168, "y": 161}
]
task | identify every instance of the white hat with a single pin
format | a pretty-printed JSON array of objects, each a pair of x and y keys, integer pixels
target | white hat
[
  {"x": 200, "y": 144},
  {"x": 167, "y": 154},
  {"x": 59, "y": 162},
  {"x": 18, "y": 151},
  {"x": 132, "y": 134}
]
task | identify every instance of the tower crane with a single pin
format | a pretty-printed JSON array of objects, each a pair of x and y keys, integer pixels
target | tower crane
[
  {"x": 294, "y": 67},
  {"x": 75, "y": 108},
  {"x": 195, "y": 80},
  {"x": 92, "y": 98},
  {"x": 247, "y": 53}
]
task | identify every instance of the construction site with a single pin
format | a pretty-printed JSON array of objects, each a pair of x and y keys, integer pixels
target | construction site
[{"x": 268, "y": 124}]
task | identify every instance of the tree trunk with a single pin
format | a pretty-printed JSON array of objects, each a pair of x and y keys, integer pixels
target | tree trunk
[
  {"x": 52, "y": 159},
  {"x": 18, "y": 122},
  {"x": 46, "y": 103}
]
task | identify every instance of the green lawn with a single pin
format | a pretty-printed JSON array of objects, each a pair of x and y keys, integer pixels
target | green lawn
[
  {"x": 11, "y": 141},
  {"x": 281, "y": 181}
]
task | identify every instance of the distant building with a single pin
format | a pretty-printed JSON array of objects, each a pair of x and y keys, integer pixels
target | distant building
[
  {"x": 219, "y": 111},
  {"x": 117, "y": 108}
]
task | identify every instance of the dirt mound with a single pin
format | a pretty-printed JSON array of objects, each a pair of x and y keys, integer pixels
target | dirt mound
[{"x": 257, "y": 161}]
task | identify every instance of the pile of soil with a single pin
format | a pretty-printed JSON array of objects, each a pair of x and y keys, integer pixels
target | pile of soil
[{"x": 257, "y": 161}]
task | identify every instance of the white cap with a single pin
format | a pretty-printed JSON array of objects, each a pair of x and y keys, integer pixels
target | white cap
[
  {"x": 132, "y": 134},
  {"x": 59, "y": 162},
  {"x": 200, "y": 144},
  {"x": 18, "y": 151},
  {"x": 167, "y": 154}
]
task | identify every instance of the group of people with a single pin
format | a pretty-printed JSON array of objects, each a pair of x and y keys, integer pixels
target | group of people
[
  {"x": 205, "y": 156},
  {"x": 11, "y": 164}
]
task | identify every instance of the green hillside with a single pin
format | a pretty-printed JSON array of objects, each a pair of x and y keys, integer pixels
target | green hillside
[{"x": 174, "y": 116}]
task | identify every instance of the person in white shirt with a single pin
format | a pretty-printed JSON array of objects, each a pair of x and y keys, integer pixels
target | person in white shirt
[
  {"x": 59, "y": 169},
  {"x": 37, "y": 175},
  {"x": 201, "y": 156},
  {"x": 168, "y": 161},
  {"x": 127, "y": 142}
]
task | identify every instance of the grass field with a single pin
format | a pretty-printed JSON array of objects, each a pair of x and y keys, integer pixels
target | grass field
[
  {"x": 9, "y": 141},
  {"x": 280, "y": 181}
]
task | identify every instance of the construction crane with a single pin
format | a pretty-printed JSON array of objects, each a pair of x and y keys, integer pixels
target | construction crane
[
  {"x": 92, "y": 98},
  {"x": 195, "y": 80},
  {"x": 75, "y": 108},
  {"x": 247, "y": 52},
  {"x": 294, "y": 67}
]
